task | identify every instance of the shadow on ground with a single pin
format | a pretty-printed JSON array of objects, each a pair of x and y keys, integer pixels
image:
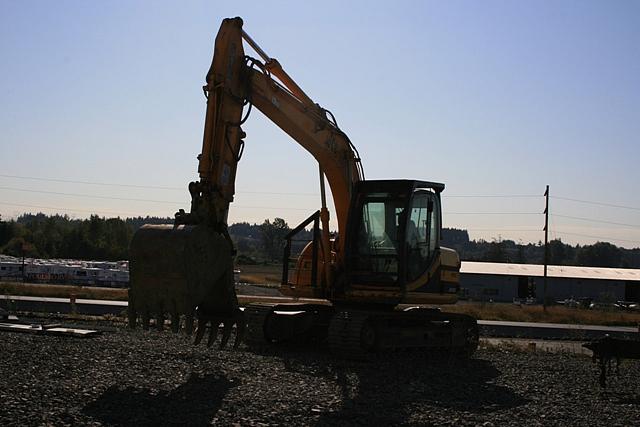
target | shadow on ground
[
  {"x": 621, "y": 398},
  {"x": 401, "y": 382},
  {"x": 193, "y": 403}
]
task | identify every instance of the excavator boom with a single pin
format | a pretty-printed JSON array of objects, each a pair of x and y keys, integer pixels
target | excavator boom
[{"x": 236, "y": 82}]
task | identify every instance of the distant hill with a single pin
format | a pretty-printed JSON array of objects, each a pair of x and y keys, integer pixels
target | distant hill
[{"x": 600, "y": 254}]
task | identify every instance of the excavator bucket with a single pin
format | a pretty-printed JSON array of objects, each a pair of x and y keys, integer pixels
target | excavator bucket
[{"x": 184, "y": 272}]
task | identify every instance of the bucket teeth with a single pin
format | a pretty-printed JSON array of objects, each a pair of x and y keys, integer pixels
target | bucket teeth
[
  {"x": 213, "y": 322},
  {"x": 227, "y": 327},
  {"x": 160, "y": 322},
  {"x": 213, "y": 333},
  {"x": 145, "y": 320},
  {"x": 200, "y": 331},
  {"x": 204, "y": 322},
  {"x": 188, "y": 324},
  {"x": 132, "y": 317},
  {"x": 175, "y": 322},
  {"x": 240, "y": 329}
]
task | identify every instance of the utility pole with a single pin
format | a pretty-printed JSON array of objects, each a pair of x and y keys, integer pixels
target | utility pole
[{"x": 546, "y": 245}]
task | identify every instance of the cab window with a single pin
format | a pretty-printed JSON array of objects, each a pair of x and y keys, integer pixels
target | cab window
[
  {"x": 422, "y": 233},
  {"x": 375, "y": 258}
]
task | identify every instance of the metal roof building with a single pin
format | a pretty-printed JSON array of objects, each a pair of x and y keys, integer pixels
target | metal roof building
[
  {"x": 506, "y": 282},
  {"x": 537, "y": 270}
]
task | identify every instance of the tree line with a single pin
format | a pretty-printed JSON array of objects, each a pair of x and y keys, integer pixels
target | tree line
[
  {"x": 99, "y": 238},
  {"x": 59, "y": 236},
  {"x": 600, "y": 254}
]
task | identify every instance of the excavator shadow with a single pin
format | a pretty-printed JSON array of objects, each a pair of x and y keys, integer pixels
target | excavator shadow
[
  {"x": 620, "y": 397},
  {"x": 403, "y": 381},
  {"x": 193, "y": 403}
]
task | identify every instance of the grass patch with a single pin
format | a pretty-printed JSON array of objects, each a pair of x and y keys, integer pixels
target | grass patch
[
  {"x": 62, "y": 291},
  {"x": 260, "y": 274},
  {"x": 536, "y": 313}
]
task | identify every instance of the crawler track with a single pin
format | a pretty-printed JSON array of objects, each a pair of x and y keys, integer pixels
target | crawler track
[
  {"x": 256, "y": 316},
  {"x": 355, "y": 333}
]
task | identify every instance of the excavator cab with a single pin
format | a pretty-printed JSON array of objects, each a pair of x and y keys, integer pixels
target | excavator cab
[
  {"x": 394, "y": 231},
  {"x": 393, "y": 241},
  {"x": 392, "y": 249}
]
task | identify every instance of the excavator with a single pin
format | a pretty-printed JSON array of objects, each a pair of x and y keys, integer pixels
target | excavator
[{"x": 371, "y": 287}]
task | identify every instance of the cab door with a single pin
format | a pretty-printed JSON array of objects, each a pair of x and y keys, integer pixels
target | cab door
[{"x": 422, "y": 233}]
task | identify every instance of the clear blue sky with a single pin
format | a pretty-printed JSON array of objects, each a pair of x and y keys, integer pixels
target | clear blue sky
[{"x": 491, "y": 98}]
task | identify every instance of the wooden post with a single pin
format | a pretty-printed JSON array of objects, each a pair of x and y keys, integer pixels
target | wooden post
[{"x": 72, "y": 301}]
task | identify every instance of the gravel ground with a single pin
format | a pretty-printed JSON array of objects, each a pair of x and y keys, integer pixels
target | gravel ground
[{"x": 151, "y": 378}]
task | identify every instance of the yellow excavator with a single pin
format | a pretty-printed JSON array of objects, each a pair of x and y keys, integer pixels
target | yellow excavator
[{"x": 369, "y": 288}]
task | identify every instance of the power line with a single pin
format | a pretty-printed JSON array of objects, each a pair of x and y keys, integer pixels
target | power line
[
  {"x": 596, "y": 203},
  {"x": 69, "y": 210},
  {"x": 598, "y": 237},
  {"x": 505, "y": 230},
  {"x": 492, "y": 213},
  {"x": 156, "y": 187},
  {"x": 136, "y": 200},
  {"x": 596, "y": 220},
  {"x": 553, "y": 226},
  {"x": 120, "y": 213},
  {"x": 106, "y": 184},
  {"x": 130, "y": 213},
  {"x": 90, "y": 196},
  {"x": 496, "y": 196},
  {"x": 301, "y": 194},
  {"x": 278, "y": 193},
  {"x": 142, "y": 200},
  {"x": 272, "y": 207},
  {"x": 68, "y": 181}
]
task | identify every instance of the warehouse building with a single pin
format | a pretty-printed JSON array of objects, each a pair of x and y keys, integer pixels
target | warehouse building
[{"x": 500, "y": 282}]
